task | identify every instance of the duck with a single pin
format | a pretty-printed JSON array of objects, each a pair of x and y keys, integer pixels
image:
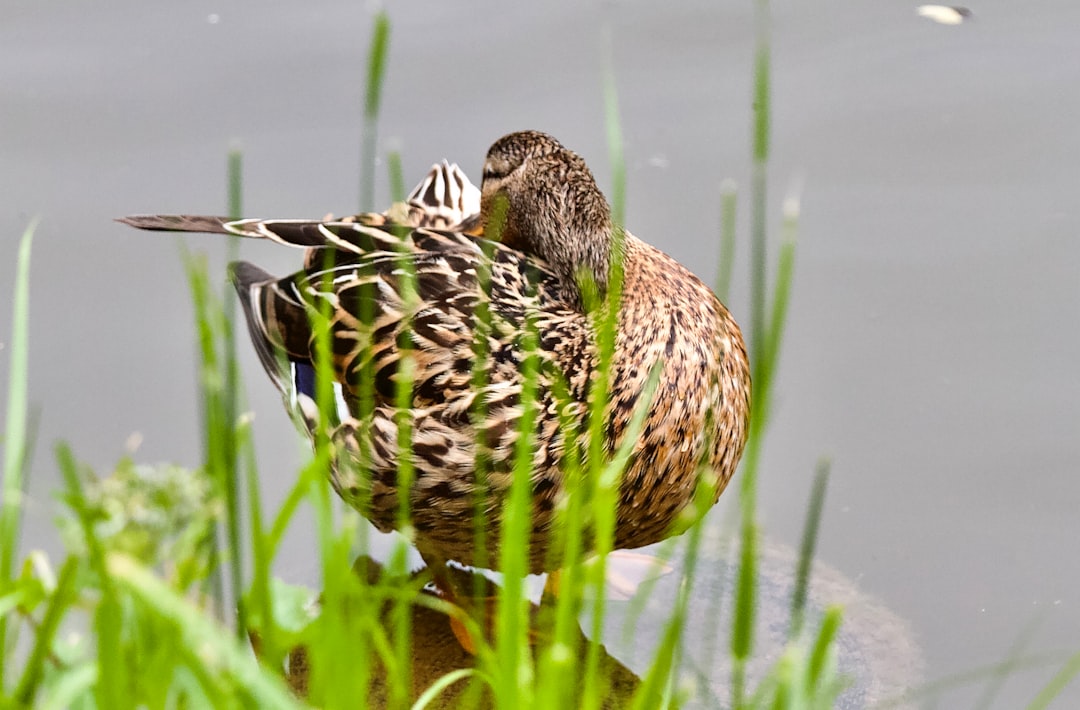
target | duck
[{"x": 458, "y": 281}]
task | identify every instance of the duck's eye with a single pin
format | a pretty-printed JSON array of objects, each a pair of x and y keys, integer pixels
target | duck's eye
[{"x": 493, "y": 171}]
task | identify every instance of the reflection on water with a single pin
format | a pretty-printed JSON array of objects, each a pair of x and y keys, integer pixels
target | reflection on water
[
  {"x": 876, "y": 649},
  {"x": 436, "y": 652},
  {"x": 876, "y": 652}
]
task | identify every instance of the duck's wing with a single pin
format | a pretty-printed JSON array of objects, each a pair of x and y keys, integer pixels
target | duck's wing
[
  {"x": 386, "y": 292},
  {"x": 460, "y": 312}
]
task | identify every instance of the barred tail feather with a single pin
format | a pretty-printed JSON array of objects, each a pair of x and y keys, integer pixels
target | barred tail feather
[
  {"x": 177, "y": 223},
  {"x": 444, "y": 198}
]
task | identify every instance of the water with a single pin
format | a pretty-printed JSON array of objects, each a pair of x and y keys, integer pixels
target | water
[{"x": 933, "y": 337}]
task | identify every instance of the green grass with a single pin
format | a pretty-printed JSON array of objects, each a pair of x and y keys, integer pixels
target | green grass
[
  {"x": 15, "y": 445},
  {"x": 175, "y": 617}
]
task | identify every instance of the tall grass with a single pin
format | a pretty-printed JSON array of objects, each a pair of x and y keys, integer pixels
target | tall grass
[
  {"x": 376, "y": 70},
  {"x": 15, "y": 436}
]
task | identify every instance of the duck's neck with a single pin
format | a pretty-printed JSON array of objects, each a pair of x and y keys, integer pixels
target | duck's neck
[
  {"x": 583, "y": 263},
  {"x": 580, "y": 249}
]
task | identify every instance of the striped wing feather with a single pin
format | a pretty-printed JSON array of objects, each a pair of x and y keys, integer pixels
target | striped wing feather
[{"x": 418, "y": 294}]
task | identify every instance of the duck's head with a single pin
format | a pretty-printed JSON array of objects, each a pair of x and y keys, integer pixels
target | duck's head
[{"x": 540, "y": 198}]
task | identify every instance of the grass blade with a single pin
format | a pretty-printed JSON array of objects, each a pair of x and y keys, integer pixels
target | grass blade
[
  {"x": 613, "y": 129},
  {"x": 742, "y": 632},
  {"x": 397, "y": 177},
  {"x": 110, "y": 691},
  {"x": 808, "y": 547},
  {"x": 433, "y": 691},
  {"x": 781, "y": 297},
  {"x": 376, "y": 69},
  {"x": 61, "y": 599},
  {"x": 1016, "y": 650},
  {"x": 515, "y": 680},
  {"x": 215, "y": 650},
  {"x": 230, "y": 402},
  {"x": 759, "y": 185},
  {"x": 1052, "y": 689},
  {"x": 603, "y": 489},
  {"x": 15, "y": 434},
  {"x": 819, "y": 656},
  {"x": 727, "y": 240},
  {"x": 218, "y": 445},
  {"x": 744, "y": 613}
]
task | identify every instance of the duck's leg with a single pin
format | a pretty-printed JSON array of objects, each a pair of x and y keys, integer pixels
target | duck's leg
[{"x": 450, "y": 590}]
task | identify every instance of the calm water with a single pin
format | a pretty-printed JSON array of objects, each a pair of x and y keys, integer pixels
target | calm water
[{"x": 933, "y": 334}]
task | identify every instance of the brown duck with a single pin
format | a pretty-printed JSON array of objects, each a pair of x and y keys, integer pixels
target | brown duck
[{"x": 550, "y": 268}]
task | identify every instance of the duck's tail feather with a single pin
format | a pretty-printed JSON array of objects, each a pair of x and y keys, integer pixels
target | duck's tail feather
[
  {"x": 444, "y": 198},
  {"x": 177, "y": 223},
  {"x": 290, "y": 232}
]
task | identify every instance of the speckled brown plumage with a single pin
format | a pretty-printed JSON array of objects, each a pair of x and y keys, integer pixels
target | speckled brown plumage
[{"x": 557, "y": 245}]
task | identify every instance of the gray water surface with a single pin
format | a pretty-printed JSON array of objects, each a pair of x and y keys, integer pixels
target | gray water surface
[{"x": 933, "y": 333}]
